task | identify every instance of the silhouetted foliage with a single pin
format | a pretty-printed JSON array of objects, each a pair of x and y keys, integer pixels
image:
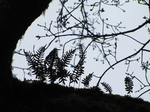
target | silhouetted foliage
[
  {"x": 36, "y": 62},
  {"x": 87, "y": 80},
  {"x": 41, "y": 97},
  {"x": 128, "y": 84},
  {"x": 53, "y": 67},
  {"x": 103, "y": 36},
  {"x": 79, "y": 68},
  {"x": 107, "y": 87}
]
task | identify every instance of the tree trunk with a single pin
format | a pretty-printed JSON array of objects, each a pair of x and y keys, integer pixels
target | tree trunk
[{"x": 15, "y": 17}]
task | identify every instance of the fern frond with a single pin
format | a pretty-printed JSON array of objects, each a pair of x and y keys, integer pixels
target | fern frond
[
  {"x": 61, "y": 72},
  {"x": 63, "y": 76},
  {"x": 107, "y": 87},
  {"x": 30, "y": 59},
  {"x": 39, "y": 55},
  {"x": 79, "y": 68},
  {"x": 35, "y": 62},
  {"x": 128, "y": 85},
  {"x": 77, "y": 72},
  {"x": 87, "y": 80},
  {"x": 66, "y": 58}
]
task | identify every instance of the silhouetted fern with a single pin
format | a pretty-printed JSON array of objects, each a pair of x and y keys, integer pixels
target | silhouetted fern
[
  {"x": 79, "y": 68},
  {"x": 35, "y": 62},
  {"x": 128, "y": 84},
  {"x": 64, "y": 62},
  {"x": 66, "y": 58},
  {"x": 52, "y": 67},
  {"x": 107, "y": 87},
  {"x": 87, "y": 80}
]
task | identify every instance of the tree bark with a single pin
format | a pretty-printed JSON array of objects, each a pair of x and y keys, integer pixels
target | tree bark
[{"x": 15, "y": 17}]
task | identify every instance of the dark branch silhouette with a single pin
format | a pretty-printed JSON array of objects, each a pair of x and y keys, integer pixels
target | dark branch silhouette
[{"x": 130, "y": 56}]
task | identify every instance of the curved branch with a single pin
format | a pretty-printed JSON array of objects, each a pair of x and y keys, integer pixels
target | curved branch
[
  {"x": 143, "y": 93},
  {"x": 125, "y": 32},
  {"x": 121, "y": 61},
  {"x": 107, "y": 35}
]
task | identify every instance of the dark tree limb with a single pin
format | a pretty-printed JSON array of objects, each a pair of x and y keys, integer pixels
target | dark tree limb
[{"x": 15, "y": 17}]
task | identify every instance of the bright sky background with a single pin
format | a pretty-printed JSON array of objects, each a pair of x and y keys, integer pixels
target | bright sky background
[{"x": 130, "y": 19}]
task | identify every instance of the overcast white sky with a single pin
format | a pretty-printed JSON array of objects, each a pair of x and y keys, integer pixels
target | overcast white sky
[{"x": 130, "y": 19}]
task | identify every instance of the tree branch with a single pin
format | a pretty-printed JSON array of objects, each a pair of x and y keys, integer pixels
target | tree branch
[
  {"x": 121, "y": 61},
  {"x": 103, "y": 35},
  {"x": 125, "y": 32},
  {"x": 143, "y": 93}
]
